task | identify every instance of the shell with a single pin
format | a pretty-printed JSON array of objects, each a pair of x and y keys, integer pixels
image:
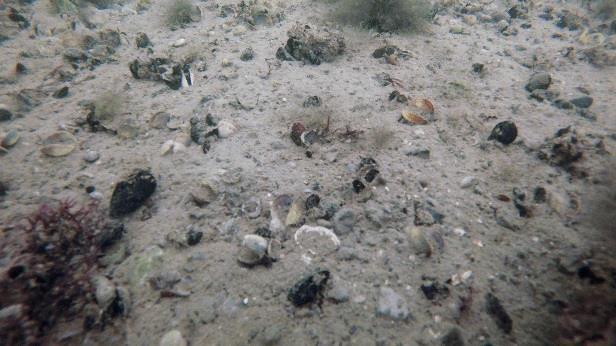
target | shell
[
  {"x": 59, "y": 144},
  {"x": 167, "y": 147},
  {"x": 316, "y": 240},
  {"x": 425, "y": 105},
  {"x": 418, "y": 242},
  {"x": 413, "y": 118},
  {"x": 254, "y": 248},
  {"x": 226, "y": 129},
  {"x": 273, "y": 249},
  {"x": 10, "y": 139}
]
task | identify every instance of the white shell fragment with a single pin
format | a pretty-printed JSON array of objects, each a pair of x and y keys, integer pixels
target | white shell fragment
[
  {"x": 316, "y": 240},
  {"x": 226, "y": 129},
  {"x": 59, "y": 144}
]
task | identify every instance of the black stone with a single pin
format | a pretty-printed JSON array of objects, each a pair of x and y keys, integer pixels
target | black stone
[
  {"x": 61, "y": 93},
  {"x": 312, "y": 101},
  {"x": 5, "y": 114},
  {"x": 111, "y": 233},
  {"x": 434, "y": 290},
  {"x": 3, "y": 189},
  {"x": 309, "y": 289},
  {"x": 478, "y": 68},
  {"x": 20, "y": 68},
  {"x": 263, "y": 232},
  {"x": 498, "y": 313},
  {"x": 193, "y": 237},
  {"x": 585, "y": 272},
  {"x": 313, "y": 201},
  {"x": 516, "y": 12},
  {"x": 131, "y": 193},
  {"x": 90, "y": 189},
  {"x": 582, "y": 102},
  {"x": 371, "y": 175},
  {"x": 358, "y": 186},
  {"x": 247, "y": 55},
  {"x": 308, "y": 154},
  {"x": 504, "y": 132},
  {"x": 540, "y": 195},
  {"x": 563, "y": 104},
  {"x": 453, "y": 338}
]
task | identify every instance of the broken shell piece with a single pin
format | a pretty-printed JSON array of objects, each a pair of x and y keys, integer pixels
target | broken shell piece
[
  {"x": 425, "y": 105},
  {"x": 10, "y": 139},
  {"x": 59, "y": 144},
  {"x": 316, "y": 240},
  {"x": 273, "y": 249},
  {"x": 418, "y": 242},
  {"x": 457, "y": 279},
  {"x": 295, "y": 214},
  {"x": 171, "y": 146},
  {"x": 226, "y": 129},
  {"x": 413, "y": 118},
  {"x": 252, "y": 208}
]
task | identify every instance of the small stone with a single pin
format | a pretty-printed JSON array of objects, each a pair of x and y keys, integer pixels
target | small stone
[
  {"x": 296, "y": 133},
  {"x": 371, "y": 175},
  {"x": 344, "y": 221},
  {"x": 339, "y": 292},
  {"x": 541, "y": 80},
  {"x": 312, "y": 101},
  {"x": 179, "y": 43},
  {"x": 468, "y": 181},
  {"x": 128, "y": 195},
  {"x": 247, "y": 54},
  {"x": 193, "y": 237},
  {"x": 540, "y": 195},
  {"x": 418, "y": 242},
  {"x": 21, "y": 68},
  {"x": 312, "y": 201},
  {"x": 309, "y": 289},
  {"x": 173, "y": 338},
  {"x": 142, "y": 40},
  {"x": 582, "y": 102},
  {"x": 563, "y": 104},
  {"x": 504, "y": 132},
  {"x": 358, "y": 186},
  {"x": 453, "y": 338},
  {"x": 105, "y": 291},
  {"x": 498, "y": 313},
  {"x": 5, "y": 114},
  {"x": 478, "y": 68},
  {"x": 392, "y": 305},
  {"x": 61, "y": 93},
  {"x": 160, "y": 120}
]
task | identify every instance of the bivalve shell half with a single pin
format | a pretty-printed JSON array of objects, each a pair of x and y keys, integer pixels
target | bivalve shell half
[
  {"x": 413, "y": 118},
  {"x": 59, "y": 144},
  {"x": 254, "y": 248},
  {"x": 317, "y": 240},
  {"x": 425, "y": 105}
]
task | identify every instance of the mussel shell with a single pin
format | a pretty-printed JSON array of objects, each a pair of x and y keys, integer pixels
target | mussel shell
[{"x": 59, "y": 144}]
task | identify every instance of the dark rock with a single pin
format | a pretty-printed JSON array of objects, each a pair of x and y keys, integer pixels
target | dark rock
[
  {"x": 433, "y": 290},
  {"x": 142, "y": 40},
  {"x": 263, "y": 232},
  {"x": 311, "y": 45},
  {"x": 563, "y": 104},
  {"x": 61, "y": 93},
  {"x": 309, "y": 137},
  {"x": 247, "y": 54},
  {"x": 540, "y": 195},
  {"x": 358, "y": 186},
  {"x": 582, "y": 101},
  {"x": 309, "y": 289},
  {"x": 396, "y": 95},
  {"x": 21, "y": 68},
  {"x": 3, "y": 189},
  {"x": 568, "y": 20},
  {"x": 131, "y": 193},
  {"x": 478, "y": 68},
  {"x": 371, "y": 175},
  {"x": 296, "y": 133},
  {"x": 385, "y": 51},
  {"x": 498, "y": 313},
  {"x": 453, "y": 338},
  {"x": 193, "y": 237},
  {"x": 5, "y": 114},
  {"x": 541, "y": 80},
  {"x": 585, "y": 272},
  {"x": 111, "y": 234},
  {"x": 198, "y": 129},
  {"x": 312, "y": 101},
  {"x": 517, "y": 11},
  {"x": 90, "y": 189},
  {"x": 505, "y": 132},
  {"x": 312, "y": 201}
]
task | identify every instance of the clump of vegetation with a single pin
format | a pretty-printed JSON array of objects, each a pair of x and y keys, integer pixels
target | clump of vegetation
[
  {"x": 180, "y": 13},
  {"x": 385, "y": 15},
  {"x": 48, "y": 281}
]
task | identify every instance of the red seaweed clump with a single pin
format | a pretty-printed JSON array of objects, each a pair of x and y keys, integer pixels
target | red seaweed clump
[{"x": 50, "y": 259}]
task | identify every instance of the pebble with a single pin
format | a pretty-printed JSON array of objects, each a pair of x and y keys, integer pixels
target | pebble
[
  {"x": 582, "y": 102},
  {"x": 105, "y": 291},
  {"x": 247, "y": 54},
  {"x": 173, "y": 338},
  {"x": 61, "y": 93},
  {"x": 541, "y": 80},
  {"x": 128, "y": 195},
  {"x": 468, "y": 181},
  {"x": 392, "y": 305},
  {"x": 505, "y": 132},
  {"x": 5, "y": 114},
  {"x": 453, "y": 338},
  {"x": 179, "y": 43},
  {"x": 498, "y": 313},
  {"x": 344, "y": 221},
  {"x": 308, "y": 289}
]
